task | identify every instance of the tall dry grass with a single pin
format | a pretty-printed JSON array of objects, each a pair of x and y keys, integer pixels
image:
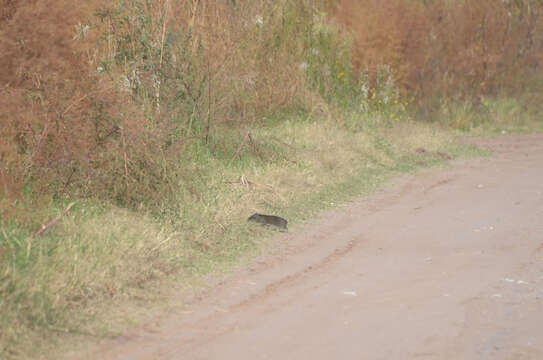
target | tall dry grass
[
  {"x": 102, "y": 100},
  {"x": 448, "y": 49}
]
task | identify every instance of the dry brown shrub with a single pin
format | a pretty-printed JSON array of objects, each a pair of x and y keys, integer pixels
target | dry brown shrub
[
  {"x": 388, "y": 32},
  {"x": 448, "y": 48},
  {"x": 483, "y": 46},
  {"x": 251, "y": 70},
  {"x": 82, "y": 113},
  {"x": 56, "y": 113}
]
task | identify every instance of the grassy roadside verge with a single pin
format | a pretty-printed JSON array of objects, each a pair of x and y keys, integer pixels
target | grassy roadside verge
[{"x": 99, "y": 255}]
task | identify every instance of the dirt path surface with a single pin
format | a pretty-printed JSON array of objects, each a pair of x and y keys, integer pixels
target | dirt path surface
[{"x": 443, "y": 265}]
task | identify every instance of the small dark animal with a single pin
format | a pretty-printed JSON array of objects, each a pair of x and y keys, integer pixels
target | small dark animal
[{"x": 269, "y": 220}]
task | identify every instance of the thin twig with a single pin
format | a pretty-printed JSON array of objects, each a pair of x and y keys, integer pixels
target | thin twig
[
  {"x": 83, "y": 98},
  {"x": 248, "y": 184},
  {"x": 255, "y": 148},
  {"x": 67, "y": 182},
  {"x": 125, "y": 157},
  {"x": 163, "y": 32},
  {"x": 159, "y": 245},
  {"x": 51, "y": 223},
  {"x": 245, "y": 138},
  {"x": 208, "y": 120},
  {"x": 164, "y": 23}
]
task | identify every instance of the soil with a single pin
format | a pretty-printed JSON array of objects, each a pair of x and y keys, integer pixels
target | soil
[{"x": 447, "y": 264}]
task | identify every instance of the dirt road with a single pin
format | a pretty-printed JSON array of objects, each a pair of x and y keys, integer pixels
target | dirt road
[{"x": 442, "y": 265}]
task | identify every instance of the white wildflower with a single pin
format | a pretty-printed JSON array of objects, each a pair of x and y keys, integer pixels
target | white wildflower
[
  {"x": 259, "y": 21},
  {"x": 81, "y": 31}
]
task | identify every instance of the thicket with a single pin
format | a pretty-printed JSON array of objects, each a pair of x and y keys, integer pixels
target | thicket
[
  {"x": 441, "y": 52},
  {"x": 107, "y": 99}
]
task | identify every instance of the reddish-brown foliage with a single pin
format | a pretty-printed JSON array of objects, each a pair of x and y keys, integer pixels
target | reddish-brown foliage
[
  {"x": 388, "y": 32},
  {"x": 52, "y": 103},
  {"x": 82, "y": 112},
  {"x": 448, "y": 48},
  {"x": 69, "y": 126}
]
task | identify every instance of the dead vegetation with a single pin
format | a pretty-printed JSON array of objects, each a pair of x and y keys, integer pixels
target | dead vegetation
[
  {"x": 104, "y": 103},
  {"x": 448, "y": 50}
]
